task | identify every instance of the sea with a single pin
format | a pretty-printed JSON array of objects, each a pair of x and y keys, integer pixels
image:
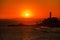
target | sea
[{"x": 29, "y": 33}]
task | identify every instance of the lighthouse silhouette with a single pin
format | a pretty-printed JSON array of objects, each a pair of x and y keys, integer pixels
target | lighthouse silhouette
[{"x": 50, "y": 15}]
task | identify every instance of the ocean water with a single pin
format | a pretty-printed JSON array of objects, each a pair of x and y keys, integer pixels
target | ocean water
[{"x": 29, "y": 33}]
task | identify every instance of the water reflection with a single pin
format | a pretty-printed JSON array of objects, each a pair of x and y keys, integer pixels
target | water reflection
[{"x": 29, "y": 33}]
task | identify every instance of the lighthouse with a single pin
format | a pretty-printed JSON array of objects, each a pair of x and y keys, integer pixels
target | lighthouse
[{"x": 50, "y": 15}]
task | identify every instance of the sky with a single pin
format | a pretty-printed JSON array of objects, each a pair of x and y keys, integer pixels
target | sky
[{"x": 39, "y": 8}]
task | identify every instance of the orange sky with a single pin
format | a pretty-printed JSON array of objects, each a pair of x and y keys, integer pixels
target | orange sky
[{"x": 40, "y": 8}]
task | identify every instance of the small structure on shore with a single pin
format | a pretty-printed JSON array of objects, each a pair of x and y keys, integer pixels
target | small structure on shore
[{"x": 50, "y": 22}]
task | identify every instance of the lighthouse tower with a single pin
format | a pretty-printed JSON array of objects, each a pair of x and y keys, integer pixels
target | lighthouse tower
[{"x": 50, "y": 15}]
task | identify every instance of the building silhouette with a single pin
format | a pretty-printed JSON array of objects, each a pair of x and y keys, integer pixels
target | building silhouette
[
  {"x": 50, "y": 14},
  {"x": 50, "y": 21}
]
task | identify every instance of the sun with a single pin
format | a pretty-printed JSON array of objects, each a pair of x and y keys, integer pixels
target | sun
[{"x": 27, "y": 14}]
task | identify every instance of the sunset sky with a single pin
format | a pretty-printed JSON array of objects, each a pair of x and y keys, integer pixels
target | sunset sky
[{"x": 38, "y": 8}]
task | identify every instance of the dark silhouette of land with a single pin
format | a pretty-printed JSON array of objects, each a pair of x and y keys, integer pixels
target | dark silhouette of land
[{"x": 50, "y": 22}]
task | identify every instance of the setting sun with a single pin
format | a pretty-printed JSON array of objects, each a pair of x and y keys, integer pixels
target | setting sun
[{"x": 27, "y": 14}]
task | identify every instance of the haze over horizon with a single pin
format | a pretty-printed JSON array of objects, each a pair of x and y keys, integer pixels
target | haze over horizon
[{"x": 39, "y": 8}]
